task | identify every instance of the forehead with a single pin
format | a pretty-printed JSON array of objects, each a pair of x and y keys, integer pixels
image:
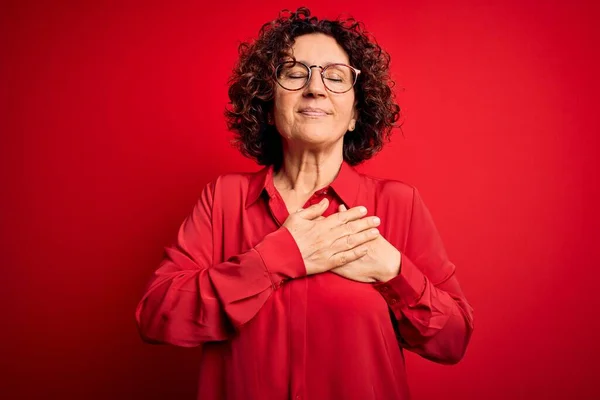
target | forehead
[{"x": 318, "y": 49}]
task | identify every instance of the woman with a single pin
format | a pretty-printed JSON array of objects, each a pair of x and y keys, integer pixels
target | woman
[{"x": 307, "y": 280}]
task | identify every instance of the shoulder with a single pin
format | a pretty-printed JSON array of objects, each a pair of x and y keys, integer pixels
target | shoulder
[
  {"x": 233, "y": 180},
  {"x": 389, "y": 189},
  {"x": 236, "y": 187},
  {"x": 228, "y": 182}
]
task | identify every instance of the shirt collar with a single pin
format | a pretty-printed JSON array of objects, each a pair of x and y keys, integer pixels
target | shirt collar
[
  {"x": 258, "y": 183},
  {"x": 346, "y": 185}
]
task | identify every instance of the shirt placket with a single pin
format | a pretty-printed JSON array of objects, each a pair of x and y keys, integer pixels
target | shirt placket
[
  {"x": 297, "y": 303},
  {"x": 295, "y": 295}
]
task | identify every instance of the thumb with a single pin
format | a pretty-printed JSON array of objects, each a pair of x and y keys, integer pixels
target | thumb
[{"x": 315, "y": 210}]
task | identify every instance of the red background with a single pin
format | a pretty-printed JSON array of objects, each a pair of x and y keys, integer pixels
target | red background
[{"x": 112, "y": 122}]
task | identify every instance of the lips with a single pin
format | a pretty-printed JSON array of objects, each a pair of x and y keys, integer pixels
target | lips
[{"x": 314, "y": 112}]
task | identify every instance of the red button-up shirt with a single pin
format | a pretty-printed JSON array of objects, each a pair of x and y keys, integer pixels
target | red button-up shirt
[{"x": 234, "y": 282}]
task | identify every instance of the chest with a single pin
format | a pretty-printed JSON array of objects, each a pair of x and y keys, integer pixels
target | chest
[{"x": 238, "y": 228}]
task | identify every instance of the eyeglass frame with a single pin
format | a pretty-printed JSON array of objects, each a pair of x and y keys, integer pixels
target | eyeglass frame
[{"x": 309, "y": 68}]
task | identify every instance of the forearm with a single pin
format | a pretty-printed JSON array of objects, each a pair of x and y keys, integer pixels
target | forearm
[
  {"x": 188, "y": 303},
  {"x": 434, "y": 321},
  {"x": 438, "y": 328},
  {"x": 181, "y": 308}
]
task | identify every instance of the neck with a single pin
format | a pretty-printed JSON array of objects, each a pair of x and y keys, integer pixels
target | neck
[{"x": 305, "y": 171}]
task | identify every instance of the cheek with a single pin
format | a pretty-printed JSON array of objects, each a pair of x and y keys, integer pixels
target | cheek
[
  {"x": 283, "y": 106},
  {"x": 346, "y": 110},
  {"x": 283, "y": 114}
]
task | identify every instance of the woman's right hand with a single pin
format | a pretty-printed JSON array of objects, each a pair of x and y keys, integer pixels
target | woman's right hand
[{"x": 329, "y": 242}]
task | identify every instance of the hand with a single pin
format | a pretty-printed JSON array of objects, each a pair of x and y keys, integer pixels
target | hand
[
  {"x": 380, "y": 263},
  {"x": 329, "y": 242}
]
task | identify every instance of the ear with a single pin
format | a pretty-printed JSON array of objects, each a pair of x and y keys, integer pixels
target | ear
[{"x": 352, "y": 124}]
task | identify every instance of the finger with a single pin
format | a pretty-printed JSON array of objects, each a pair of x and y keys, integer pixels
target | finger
[
  {"x": 356, "y": 226},
  {"x": 315, "y": 210},
  {"x": 355, "y": 240},
  {"x": 342, "y": 208},
  {"x": 343, "y": 217},
  {"x": 345, "y": 257}
]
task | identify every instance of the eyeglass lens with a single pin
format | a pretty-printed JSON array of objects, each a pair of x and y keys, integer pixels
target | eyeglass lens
[{"x": 336, "y": 77}]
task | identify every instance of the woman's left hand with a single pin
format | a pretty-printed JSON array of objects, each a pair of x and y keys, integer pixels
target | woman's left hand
[{"x": 381, "y": 262}]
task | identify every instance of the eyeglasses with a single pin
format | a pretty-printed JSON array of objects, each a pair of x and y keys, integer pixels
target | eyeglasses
[{"x": 295, "y": 75}]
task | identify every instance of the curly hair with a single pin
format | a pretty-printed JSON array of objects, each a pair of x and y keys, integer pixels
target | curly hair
[{"x": 252, "y": 87}]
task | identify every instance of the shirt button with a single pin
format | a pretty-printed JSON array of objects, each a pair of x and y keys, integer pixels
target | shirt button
[
  {"x": 393, "y": 301},
  {"x": 384, "y": 288}
]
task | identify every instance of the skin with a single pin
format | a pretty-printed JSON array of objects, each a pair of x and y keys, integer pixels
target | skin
[{"x": 347, "y": 242}]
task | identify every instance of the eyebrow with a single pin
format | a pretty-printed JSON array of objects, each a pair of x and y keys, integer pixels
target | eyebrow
[{"x": 326, "y": 63}]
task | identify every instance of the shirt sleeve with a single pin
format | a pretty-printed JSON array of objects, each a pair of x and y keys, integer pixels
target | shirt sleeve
[
  {"x": 431, "y": 313},
  {"x": 191, "y": 300}
]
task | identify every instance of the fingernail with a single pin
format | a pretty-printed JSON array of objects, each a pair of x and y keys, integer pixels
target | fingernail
[
  {"x": 374, "y": 232},
  {"x": 376, "y": 220},
  {"x": 363, "y": 210}
]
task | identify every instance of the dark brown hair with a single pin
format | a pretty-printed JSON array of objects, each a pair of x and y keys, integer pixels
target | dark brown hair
[{"x": 252, "y": 87}]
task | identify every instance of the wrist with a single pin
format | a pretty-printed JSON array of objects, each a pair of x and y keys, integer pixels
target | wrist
[{"x": 393, "y": 270}]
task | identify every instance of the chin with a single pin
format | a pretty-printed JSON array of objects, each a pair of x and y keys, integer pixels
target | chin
[{"x": 319, "y": 137}]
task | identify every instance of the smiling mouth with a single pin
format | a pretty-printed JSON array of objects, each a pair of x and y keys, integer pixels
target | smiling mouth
[{"x": 313, "y": 113}]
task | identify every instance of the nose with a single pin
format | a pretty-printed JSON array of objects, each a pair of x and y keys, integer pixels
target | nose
[{"x": 315, "y": 86}]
